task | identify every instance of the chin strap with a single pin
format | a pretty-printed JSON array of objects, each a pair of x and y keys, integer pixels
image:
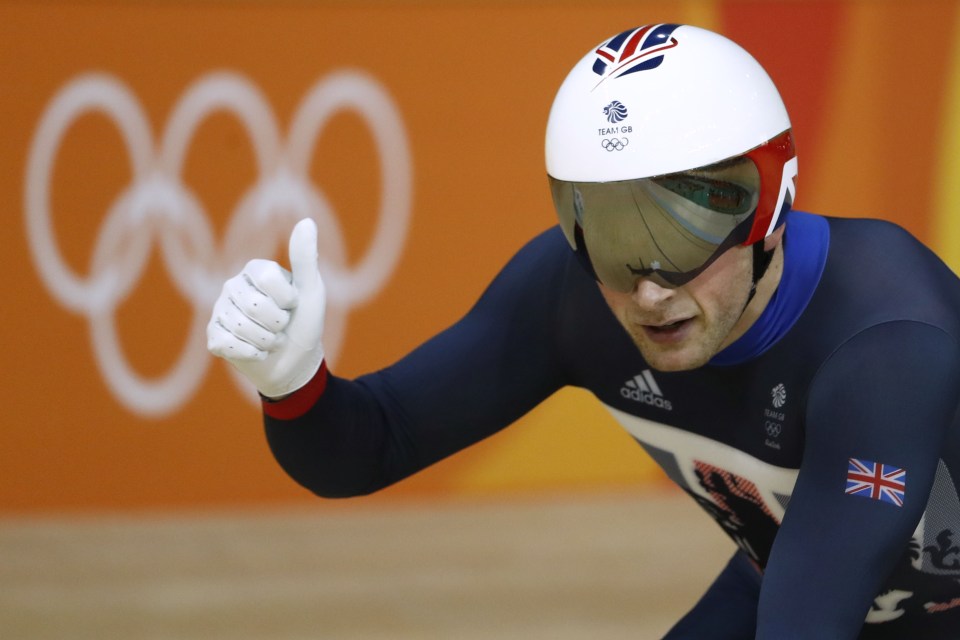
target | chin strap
[{"x": 761, "y": 261}]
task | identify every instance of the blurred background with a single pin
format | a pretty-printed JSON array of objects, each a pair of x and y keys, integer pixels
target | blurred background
[{"x": 151, "y": 147}]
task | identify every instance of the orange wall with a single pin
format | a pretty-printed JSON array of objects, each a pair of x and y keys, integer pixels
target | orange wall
[{"x": 870, "y": 86}]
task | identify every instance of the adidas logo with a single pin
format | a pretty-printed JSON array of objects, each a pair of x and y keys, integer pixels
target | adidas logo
[{"x": 643, "y": 388}]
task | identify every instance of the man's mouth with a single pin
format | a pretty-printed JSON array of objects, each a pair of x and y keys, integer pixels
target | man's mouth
[{"x": 668, "y": 331}]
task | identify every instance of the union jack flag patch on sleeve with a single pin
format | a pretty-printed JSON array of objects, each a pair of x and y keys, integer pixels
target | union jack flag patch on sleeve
[{"x": 876, "y": 481}]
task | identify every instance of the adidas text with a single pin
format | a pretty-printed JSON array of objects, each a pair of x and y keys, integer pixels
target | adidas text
[{"x": 643, "y": 388}]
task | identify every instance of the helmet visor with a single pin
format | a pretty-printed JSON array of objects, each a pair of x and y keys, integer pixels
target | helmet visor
[{"x": 668, "y": 228}]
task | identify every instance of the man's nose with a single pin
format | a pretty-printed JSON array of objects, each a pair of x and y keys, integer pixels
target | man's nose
[{"x": 648, "y": 294}]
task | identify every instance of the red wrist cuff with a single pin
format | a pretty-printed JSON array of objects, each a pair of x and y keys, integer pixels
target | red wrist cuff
[{"x": 299, "y": 402}]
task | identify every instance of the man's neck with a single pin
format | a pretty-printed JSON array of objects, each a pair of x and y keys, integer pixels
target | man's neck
[{"x": 766, "y": 287}]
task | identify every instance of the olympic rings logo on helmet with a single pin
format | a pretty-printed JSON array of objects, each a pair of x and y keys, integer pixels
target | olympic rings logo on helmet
[
  {"x": 614, "y": 144},
  {"x": 158, "y": 208}
]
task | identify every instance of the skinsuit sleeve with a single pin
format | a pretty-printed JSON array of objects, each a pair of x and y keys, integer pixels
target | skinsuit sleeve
[
  {"x": 886, "y": 396},
  {"x": 468, "y": 382}
]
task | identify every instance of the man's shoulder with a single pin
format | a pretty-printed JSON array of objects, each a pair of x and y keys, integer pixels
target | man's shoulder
[
  {"x": 544, "y": 256},
  {"x": 543, "y": 270},
  {"x": 854, "y": 229},
  {"x": 550, "y": 241},
  {"x": 876, "y": 271}
]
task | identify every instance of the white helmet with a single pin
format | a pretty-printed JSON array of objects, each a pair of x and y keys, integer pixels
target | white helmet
[{"x": 665, "y": 146}]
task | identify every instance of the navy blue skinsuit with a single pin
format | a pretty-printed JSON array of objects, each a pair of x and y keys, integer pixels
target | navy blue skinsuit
[{"x": 825, "y": 441}]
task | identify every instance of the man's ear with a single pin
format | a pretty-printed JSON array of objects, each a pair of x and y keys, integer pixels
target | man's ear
[{"x": 772, "y": 240}]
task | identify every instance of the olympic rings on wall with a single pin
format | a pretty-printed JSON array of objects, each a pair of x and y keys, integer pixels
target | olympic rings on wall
[{"x": 158, "y": 208}]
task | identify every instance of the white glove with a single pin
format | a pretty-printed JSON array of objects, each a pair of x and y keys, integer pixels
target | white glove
[{"x": 268, "y": 322}]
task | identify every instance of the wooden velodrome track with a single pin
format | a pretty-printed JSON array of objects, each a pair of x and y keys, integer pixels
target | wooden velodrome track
[{"x": 596, "y": 566}]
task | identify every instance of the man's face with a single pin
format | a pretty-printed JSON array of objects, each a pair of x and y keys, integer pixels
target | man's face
[{"x": 682, "y": 328}]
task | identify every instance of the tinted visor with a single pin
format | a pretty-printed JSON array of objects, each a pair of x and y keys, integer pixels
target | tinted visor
[{"x": 668, "y": 228}]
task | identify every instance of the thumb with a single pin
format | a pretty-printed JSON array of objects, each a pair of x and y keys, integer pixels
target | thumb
[
  {"x": 306, "y": 322},
  {"x": 303, "y": 255}
]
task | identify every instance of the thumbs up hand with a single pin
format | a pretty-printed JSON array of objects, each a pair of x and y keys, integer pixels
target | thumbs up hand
[{"x": 268, "y": 322}]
